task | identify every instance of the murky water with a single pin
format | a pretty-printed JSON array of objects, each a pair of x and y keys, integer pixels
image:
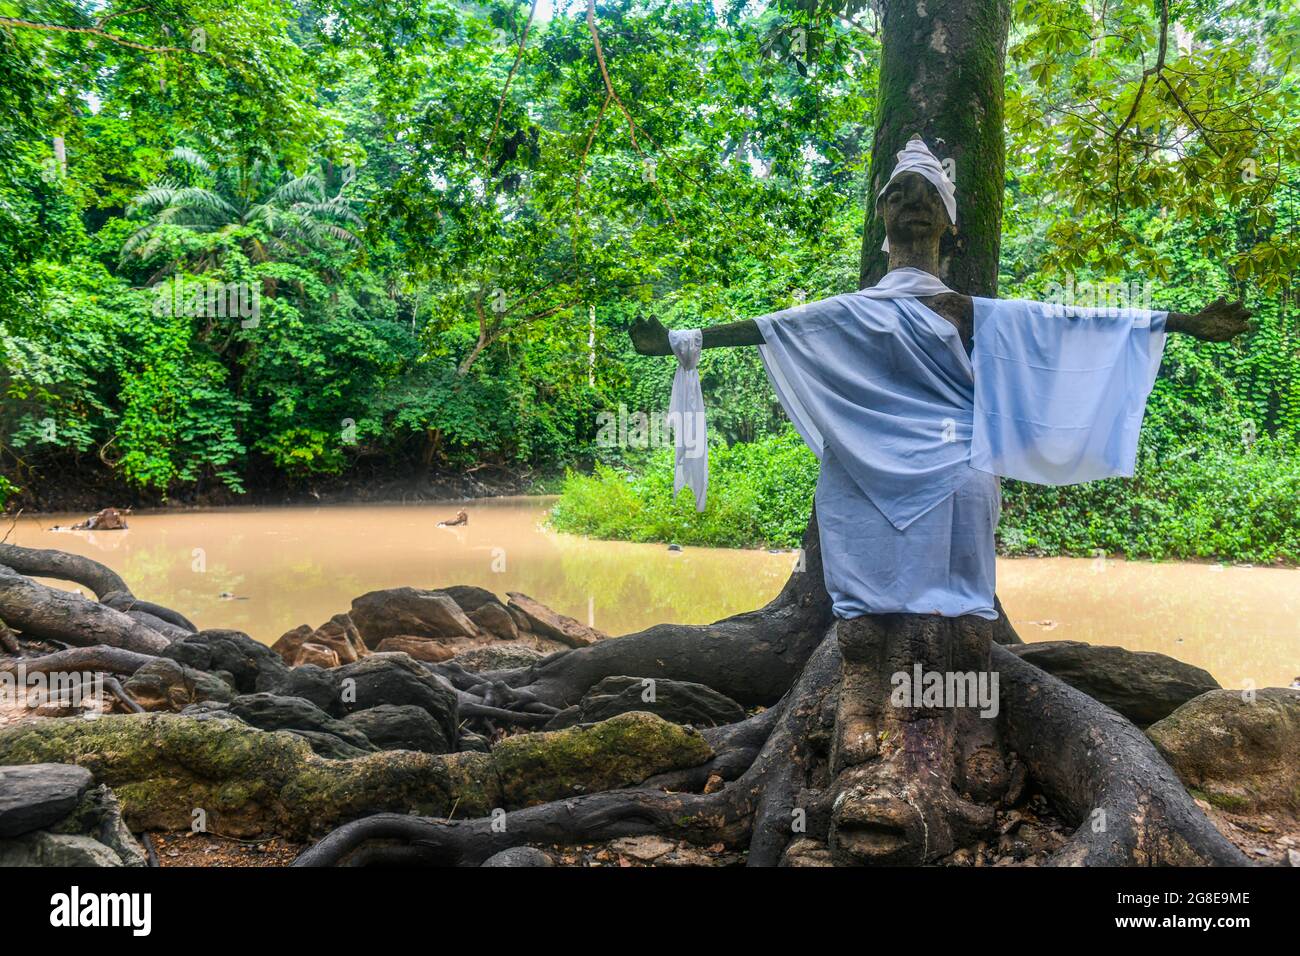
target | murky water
[{"x": 282, "y": 567}]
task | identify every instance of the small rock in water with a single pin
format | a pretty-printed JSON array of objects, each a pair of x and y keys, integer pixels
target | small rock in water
[{"x": 674, "y": 547}]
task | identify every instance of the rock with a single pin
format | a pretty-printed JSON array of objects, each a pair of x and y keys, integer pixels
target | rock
[
  {"x": 254, "y": 667},
  {"x": 56, "y": 849},
  {"x": 164, "y": 684},
  {"x": 318, "y": 654},
  {"x": 1141, "y": 685},
  {"x": 316, "y": 684},
  {"x": 645, "y": 849},
  {"x": 522, "y": 623},
  {"x": 420, "y": 648},
  {"x": 805, "y": 852},
  {"x": 397, "y": 679},
  {"x": 381, "y": 678},
  {"x": 99, "y": 816},
  {"x": 272, "y": 712},
  {"x": 477, "y": 743},
  {"x": 36, "y": 796},
  {"x": 288, "y": 643},
  {"x": 1241, "y": 757},
  {"x": 470, "y": 598},
  {"x": 494, "y": 657},
  {"x": 81, "y": 825},
  {"x": 492, "y": 618},
  {"x": 548, "y": 623},
  {"x": 338, "y": 634},
  {"x": 682, "y": 702},
  {"x": 619, "y": 752},
  {"x": 1293, "y": 858},
  {"x": 396, "y": 611},
  {"x": 519, "y": 856},
  {"x": 107, "y": 519},
  {"x": 392, "y": 727}
]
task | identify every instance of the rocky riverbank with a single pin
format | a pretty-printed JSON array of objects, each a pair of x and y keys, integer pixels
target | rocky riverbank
[{"x": 229, "y": 752}]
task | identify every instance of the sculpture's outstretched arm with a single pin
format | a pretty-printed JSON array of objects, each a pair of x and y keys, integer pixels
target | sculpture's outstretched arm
[
  {"x": 649, "y": 336},
  {"x": 1220, "y": 321}
]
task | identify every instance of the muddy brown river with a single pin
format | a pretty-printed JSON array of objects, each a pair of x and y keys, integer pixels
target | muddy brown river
[{"x": 267, "y": 570}]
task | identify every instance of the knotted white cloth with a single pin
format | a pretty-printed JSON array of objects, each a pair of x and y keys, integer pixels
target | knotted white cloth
[
  {"x": 916, "y": 157},
  {"x": 686, "y": 415}
]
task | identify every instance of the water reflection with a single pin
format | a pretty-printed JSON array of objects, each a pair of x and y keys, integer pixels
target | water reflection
[{"x": 281, "y": 567}]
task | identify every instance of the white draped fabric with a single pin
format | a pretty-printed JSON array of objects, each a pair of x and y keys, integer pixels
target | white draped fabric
[
  {"x": 912, "y": 432},
  {"x": 686, "y": 415},
  {"x": 1060, "y": 393},
  {"x": 884, "y": 393}
]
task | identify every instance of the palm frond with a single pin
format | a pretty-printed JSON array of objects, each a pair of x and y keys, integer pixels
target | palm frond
[{"x": 192, "y": 158}]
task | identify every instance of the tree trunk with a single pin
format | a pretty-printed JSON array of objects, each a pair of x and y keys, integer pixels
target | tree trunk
[{"x": 941, "y": 75}]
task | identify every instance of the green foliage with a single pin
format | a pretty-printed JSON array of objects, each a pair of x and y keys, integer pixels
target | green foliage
[
  {"x": 759, "y": 496},
  {"x": 1223, "y": 501},
  {"x": 1228, "y": 501},
  {"x": 447, "y": 245}
]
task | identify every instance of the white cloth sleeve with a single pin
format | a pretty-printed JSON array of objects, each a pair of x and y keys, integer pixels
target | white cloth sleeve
[{"x": 1060, "y": 393}]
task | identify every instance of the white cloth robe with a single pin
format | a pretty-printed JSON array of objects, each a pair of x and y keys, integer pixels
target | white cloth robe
[{"x": 912, "y": 433}]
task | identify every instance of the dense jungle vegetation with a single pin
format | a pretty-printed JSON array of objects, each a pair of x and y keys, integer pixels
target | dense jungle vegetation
[{"x": 285, "y": 245}]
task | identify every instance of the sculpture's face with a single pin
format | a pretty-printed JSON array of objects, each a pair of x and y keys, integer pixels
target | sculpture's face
[{"x": 913, "y": 211}]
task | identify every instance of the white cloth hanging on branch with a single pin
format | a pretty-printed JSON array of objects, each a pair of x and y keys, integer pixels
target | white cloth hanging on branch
[{"x": 686, "y": 417}]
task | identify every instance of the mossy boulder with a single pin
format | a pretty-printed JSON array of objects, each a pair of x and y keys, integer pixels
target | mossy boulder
[
  {"x": 164, "y": 767},
  {"x": 1239, "y": 750},
  {"x": 619, "y": 752}
]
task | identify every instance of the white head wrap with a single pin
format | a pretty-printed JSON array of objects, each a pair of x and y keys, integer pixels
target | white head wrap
[{"x": 916, "y": 157}]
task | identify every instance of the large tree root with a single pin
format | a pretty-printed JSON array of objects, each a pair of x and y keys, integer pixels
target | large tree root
[
  {"x": 247, "y": 781},
  {"x": 753, "y": 658},
  {"x": 879, "y": 783},
  {"x": 101, "y": 657},
  {"x": 62, "y": 566},
  {"x": 765, "y": 791},
  {"x": 116, "y": 619},
  {"x": 833, "y": 760},
  {"x": 1096, "y": 766},
  {"x": 48, "y": 613},
  {"x": 915, "y": 778}
]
